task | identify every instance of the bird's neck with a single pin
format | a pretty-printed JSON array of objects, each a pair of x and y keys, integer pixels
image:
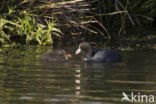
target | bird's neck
[{"x": 89, "y": 52}]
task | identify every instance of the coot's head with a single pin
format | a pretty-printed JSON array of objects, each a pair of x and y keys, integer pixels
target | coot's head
[{"x": 86, "y": 48}]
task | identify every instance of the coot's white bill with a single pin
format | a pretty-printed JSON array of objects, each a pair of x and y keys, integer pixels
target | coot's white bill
[{"x": 78, "y": 51}]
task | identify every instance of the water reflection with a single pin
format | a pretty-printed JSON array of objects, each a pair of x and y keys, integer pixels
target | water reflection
[
  {"x": 25, "y": 79},
  {"x": 100, "y": 65},
  {"x": 63, "y": 64}
]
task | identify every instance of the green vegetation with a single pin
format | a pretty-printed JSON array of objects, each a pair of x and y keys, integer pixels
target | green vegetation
[
  {"x": 26, "y": 25},
  {"x": 47, "y": 21},
  {"x": 37, "y": 32}
]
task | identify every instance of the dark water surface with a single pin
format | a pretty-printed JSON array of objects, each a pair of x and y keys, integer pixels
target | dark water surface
[{"x": 25, "y": 79}]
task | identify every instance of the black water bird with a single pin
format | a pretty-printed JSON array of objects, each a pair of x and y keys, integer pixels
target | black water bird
[
  {"x": 101, "y": 55},
  {"x": 60, "y": 55}
]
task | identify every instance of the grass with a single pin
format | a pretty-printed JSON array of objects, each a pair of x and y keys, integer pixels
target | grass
[{"x": 43, "y": 21}]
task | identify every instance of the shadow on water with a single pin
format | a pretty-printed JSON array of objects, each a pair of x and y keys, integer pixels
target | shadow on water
[{"x": 25, "y": 79}]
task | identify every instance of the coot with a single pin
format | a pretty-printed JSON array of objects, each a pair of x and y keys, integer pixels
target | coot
[
  {"x": 102, "y": 55},
  {"x": 56, "y": 56}
]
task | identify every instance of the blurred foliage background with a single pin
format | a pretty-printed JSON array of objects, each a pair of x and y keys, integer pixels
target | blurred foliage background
[{"x": 46, "y": 22}]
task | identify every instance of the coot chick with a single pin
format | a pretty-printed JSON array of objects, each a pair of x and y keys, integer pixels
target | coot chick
[
  {"x": 102, "y": 55},
  {"x": 56, "y": 56}
]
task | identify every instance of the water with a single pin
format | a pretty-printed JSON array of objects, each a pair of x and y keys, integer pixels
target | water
[{"x": 25, "y": 79}]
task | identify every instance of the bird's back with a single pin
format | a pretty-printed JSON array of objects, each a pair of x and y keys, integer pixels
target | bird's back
[
  {"x": 108, "y": 56},
  {"x": 53, "y": 56}
]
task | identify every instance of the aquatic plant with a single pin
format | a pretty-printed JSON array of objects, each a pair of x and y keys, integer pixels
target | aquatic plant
[
  {"x": 42, "y": 33},
  {"x": 117, "y": 15},
  {"x": 44, "y": 20},
  {"x": 6, "y": 25}
]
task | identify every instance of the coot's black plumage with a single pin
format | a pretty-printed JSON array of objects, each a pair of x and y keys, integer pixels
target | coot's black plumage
[
  {"x": 56, "y": 56},
  {"x": 102, "y": 55}
]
